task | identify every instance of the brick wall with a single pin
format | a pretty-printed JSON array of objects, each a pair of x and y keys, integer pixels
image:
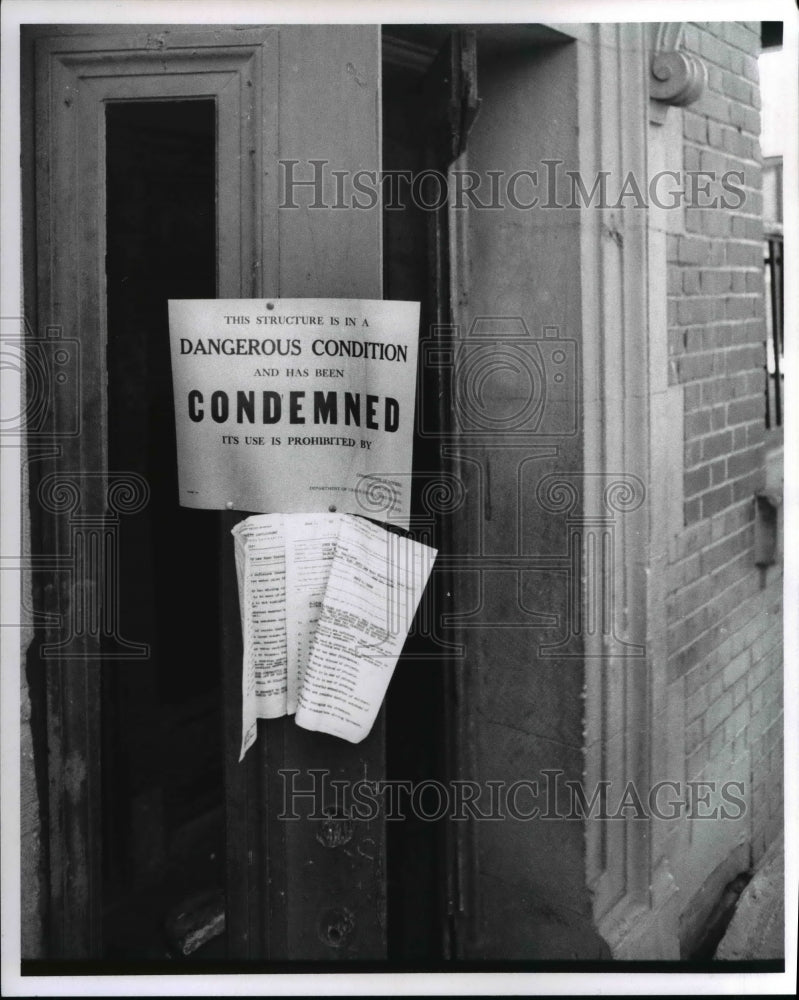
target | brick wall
[{"x": 724, "y": 613}]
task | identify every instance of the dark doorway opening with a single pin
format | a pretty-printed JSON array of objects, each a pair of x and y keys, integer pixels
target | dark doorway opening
[
  {"x": 419, "y": 703},
  {"x": 162, "y": 751}
]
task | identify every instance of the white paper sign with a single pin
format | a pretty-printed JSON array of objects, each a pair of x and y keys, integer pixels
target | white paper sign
[
  {"x": 295, "y": 404},
  {"x": 375, "y": 583}
]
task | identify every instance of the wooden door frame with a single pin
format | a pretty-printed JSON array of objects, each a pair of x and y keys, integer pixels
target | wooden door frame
[
  {"x": 77, "y": 71},
  {"x": 297, "y": 896}
]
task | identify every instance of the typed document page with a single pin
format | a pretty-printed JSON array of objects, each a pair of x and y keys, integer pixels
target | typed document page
[
  {"x": 260, "y": 552},
  {"x": 310, "y": 547},
  {"x": 376, "y": 582}
]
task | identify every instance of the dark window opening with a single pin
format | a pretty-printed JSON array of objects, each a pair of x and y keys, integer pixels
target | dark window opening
[
  {"x": 163, "y": 803},
  {"x": 771, "y": 34}
]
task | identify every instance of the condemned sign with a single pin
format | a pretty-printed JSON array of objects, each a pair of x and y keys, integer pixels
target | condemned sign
[{"x": 295, "y": 404}]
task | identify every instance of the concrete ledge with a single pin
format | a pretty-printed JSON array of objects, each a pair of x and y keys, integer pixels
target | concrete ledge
[{"x": 757, "y": 930}]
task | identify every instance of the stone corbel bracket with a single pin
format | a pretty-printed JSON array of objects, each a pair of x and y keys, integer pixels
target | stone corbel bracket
[{"x": 676, "y": 77}]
